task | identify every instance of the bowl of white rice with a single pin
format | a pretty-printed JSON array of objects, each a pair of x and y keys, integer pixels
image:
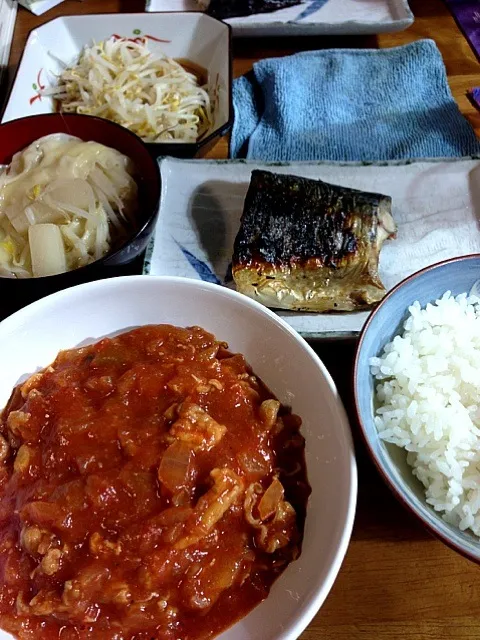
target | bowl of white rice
[{"x": 417, "y": 396}]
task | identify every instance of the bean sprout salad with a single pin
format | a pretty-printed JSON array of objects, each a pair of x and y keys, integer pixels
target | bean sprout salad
[{"x": 147, "y": 92}]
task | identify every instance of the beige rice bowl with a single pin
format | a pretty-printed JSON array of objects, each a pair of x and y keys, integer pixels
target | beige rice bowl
[{"x": 427, "y": 401}]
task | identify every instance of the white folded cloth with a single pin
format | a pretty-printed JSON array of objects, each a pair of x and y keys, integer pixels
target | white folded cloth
[{"x": 39, "y": 6}]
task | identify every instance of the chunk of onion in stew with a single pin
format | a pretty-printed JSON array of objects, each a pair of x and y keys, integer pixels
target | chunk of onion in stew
[{"x": 174, "y": 468}]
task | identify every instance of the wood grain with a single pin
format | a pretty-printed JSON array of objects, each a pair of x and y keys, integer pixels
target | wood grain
[{"x": 397, "y": 583}]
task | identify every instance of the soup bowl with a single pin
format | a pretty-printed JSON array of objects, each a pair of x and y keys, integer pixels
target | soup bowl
[{"x": 18, "y": 134}]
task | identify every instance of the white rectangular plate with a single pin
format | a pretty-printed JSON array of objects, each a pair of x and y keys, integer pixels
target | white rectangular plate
[
  {"x": 313, "y": 17},
  {"x": 436, "y": 205}
]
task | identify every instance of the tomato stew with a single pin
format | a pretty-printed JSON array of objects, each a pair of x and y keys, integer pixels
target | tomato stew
[{"x": 151, "y": 488}]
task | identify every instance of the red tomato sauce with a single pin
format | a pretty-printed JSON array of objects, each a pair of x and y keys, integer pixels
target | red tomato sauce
[{"x": 151, "y": 488}]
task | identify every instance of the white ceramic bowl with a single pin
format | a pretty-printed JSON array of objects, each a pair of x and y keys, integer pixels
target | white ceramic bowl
[
  {"x": 186, "y": 36},
  {"x": 32, "y": 337}
]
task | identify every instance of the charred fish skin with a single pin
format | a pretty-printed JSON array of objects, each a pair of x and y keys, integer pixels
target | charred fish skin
[
  {"x": 291, "y": 219},
  {"x": 308, "y": 245},
  {"x": 224, "y": 9}
]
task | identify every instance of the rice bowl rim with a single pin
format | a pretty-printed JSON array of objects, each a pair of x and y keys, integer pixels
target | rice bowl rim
[{"x": 392, "y": 485}]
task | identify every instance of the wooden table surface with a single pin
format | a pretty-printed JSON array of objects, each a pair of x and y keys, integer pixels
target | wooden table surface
[{"x": 397, "y": 582}]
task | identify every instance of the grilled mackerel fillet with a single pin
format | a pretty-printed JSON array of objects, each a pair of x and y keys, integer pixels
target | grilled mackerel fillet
[
  {"x": 307, "y": 245},
  {"x": 224, "y": 9}
]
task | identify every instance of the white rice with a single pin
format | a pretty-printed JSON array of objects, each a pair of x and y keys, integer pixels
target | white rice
[{"x": 428, "y": 402}]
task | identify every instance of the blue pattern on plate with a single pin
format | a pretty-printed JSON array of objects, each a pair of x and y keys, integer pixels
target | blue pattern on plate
[
  {"x": 202, "y": 269},
  {"x": 312, "y": 7}
]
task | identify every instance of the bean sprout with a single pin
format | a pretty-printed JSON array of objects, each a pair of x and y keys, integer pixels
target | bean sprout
[{"x": 149, "y": 93}]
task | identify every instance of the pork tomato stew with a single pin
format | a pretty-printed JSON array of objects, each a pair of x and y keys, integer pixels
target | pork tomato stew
[{"x": 152, "y": 487}]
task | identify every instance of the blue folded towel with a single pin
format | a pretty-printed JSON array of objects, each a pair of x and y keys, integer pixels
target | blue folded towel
[{"x": 350, "y": 104}]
